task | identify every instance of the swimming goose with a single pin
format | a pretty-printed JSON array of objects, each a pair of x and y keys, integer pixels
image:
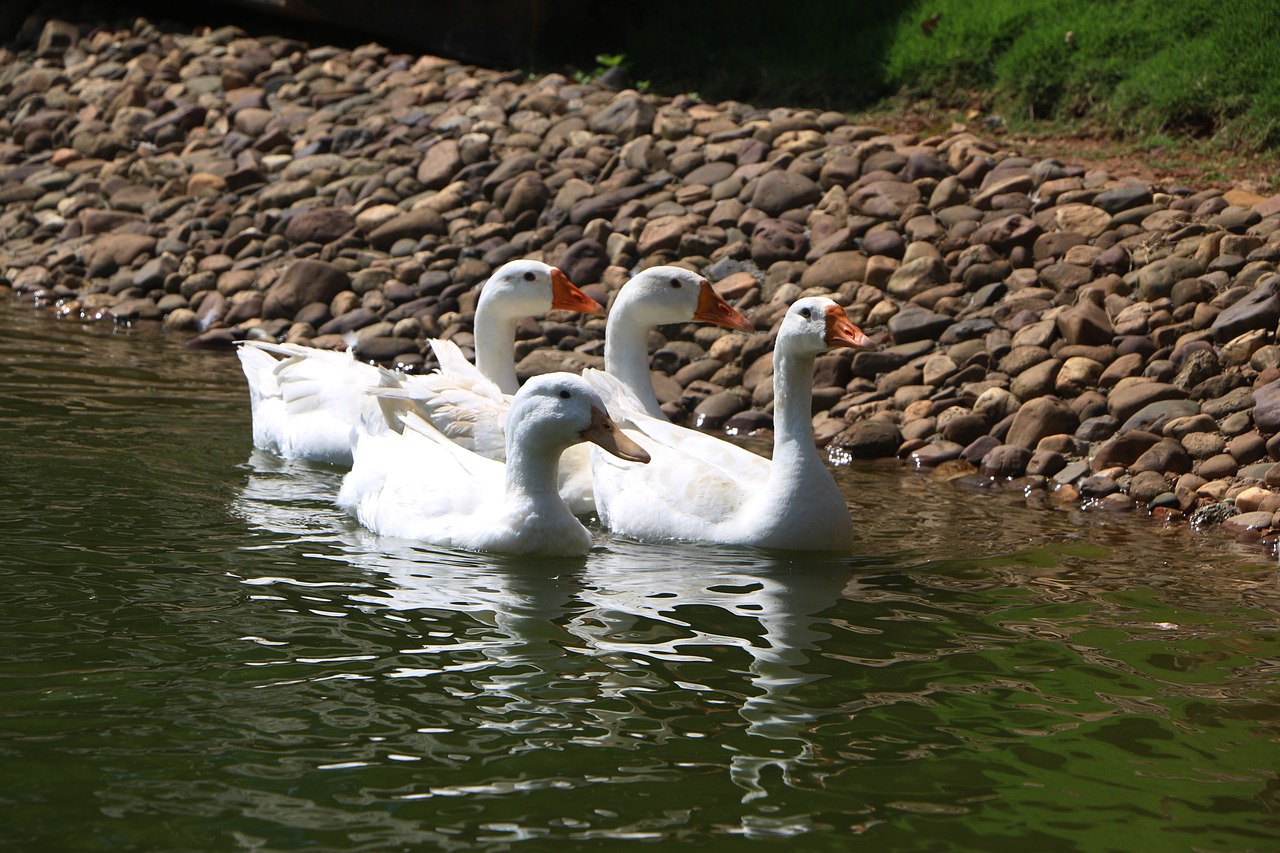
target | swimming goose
[
  {"x": 417, "y": 484},
  {"x": 306, "y": 403},
  {"x": 472, "y": 411},
  {"x": 701, "y": 488}
]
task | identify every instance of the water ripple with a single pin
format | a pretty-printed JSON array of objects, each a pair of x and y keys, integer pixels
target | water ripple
[{"x": 206, "y": 653}]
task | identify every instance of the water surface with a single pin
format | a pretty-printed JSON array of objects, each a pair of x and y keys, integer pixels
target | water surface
[{"x": 202, "y": 653}]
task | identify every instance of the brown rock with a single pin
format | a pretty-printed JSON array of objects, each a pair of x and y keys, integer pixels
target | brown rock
[
  {"x": 775, "y": 240},
  {"x": 1039, "y": 418},
  {"x": 412, "y": 225},
  {"x": 884, "y": 199},
  {"x": 116, "y": 250},
  {"x": 1124, "y": 449},
  {"x": 441, "y": 162},
  {"x": 303, "y": 282},
  {"x": 1165, "y": 457},
  {"x": 1125, "y": 401},
  {"x": 318, "y": 225},
  {"x": 832, "y": 270},
  {"x": 778, "y": 191}
]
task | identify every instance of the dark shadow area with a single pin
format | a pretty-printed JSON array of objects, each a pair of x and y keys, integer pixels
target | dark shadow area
[
  {"x": 826, "y": 54},
  {"x": 829, "y": 54}
]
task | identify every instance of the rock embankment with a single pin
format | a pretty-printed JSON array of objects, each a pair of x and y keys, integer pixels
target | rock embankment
[{"x": 1078, "y": 334}]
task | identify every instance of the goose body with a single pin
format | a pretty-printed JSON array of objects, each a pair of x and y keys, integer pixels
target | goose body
[
  {"x": 307, "y": 403},
  {"x": 701, "y": 488},
  {"x": 418, "y": 484}
]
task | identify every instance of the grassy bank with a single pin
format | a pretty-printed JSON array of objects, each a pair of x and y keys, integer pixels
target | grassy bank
[{"x": 1136, "y": 68}]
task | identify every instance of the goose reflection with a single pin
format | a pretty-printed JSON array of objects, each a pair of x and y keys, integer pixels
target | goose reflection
[{"x": 775, "y": 603}]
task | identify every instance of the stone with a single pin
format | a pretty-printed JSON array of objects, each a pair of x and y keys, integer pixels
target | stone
[
  {"x": 1006, "y": 461},
  {"x": 915, "y": 277},
  {"x": 884, "y": 199},
  {"x": 778, "y": 191},
  {"x": 775, "y": 240},
  {"x": 714, "y": 411},
  {"x": 584, "y": 262},
  {"x": 627, "y": 116},
  {"x": 1123, "y": 450},
  {"x": 869, "y": 440},
  {"x": 913, "y": 323},
  {"x": 1041, "y": 417},
  {"x": 1153, "y": 416},
  {"x": 303, "y": 282},
  {"x": 664, "y": 233},
  {"x": 1008, "y": 232},
  {"x": 1084, "y": 219},
  {"x": 412, "y": 225},
  {"x": 1158, "y": 278},
  {"x": 318, "y": 225},
  {"x": 1166, "y": 457},
  {"x": 1266, "y": 408},
  {"x": 439, "y": 164},
  {"x": 1258, "y": 309},
  {"x": 1085, "y": 323},
  {"x": 1115, "y": 200},
  {"x": 834, "y": 269},
  {"x": 1124, "y": 401},
  {"x": 113, "y": 251}
]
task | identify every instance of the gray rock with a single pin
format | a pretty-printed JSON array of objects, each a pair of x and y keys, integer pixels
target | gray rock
[
  {"x": 1259, "y": 309},
  {"x": 913, "y": 323}
]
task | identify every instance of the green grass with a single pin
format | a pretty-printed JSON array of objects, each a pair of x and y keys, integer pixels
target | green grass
[{"x": 1136, "y": 68}]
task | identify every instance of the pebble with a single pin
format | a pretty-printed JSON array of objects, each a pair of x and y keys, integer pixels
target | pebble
[{"x": 1034, "y": 318}]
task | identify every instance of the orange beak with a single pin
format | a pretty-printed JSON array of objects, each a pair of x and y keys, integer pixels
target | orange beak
[
  {"x": 713, "y": 309},
  {"x": 841, "y": 332},
  {"x": 604, "y": 432},
  {"x": 567, "y": 297}
]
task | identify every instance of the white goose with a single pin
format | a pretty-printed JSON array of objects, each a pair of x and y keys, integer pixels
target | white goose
[
  {"x": 700, "y": 488},
  {"x": 418, "y": 484},
  {"x": 306, "y": 403},
  {"x": 471, "y": 410}
]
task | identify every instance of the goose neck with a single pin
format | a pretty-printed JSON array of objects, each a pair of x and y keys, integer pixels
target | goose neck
[
  {"x": 496, "y": 349},
  {"x": 793, "y": 406},
  {"x": 626, "y": 355},
  {"x": 532, "y": 469}
]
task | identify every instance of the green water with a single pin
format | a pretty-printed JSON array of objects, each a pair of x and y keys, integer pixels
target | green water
[{"x": 200, "y": 653}]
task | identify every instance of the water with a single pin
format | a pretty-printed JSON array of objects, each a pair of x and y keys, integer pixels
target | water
[{"x": 201, "y": 653}]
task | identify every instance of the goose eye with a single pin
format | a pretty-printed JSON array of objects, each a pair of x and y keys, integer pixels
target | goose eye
[
  {"x": 806, "y": 313},
  {"x": 529, "y": 276},
  {"x": 565, "y": 395},
  {"x": 675, "y": 282}
]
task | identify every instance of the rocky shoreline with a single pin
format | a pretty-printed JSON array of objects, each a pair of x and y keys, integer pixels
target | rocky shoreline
[{"x": 1084, "y": 338}]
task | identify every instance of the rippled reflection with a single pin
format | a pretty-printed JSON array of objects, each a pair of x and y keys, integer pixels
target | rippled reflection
[{"x": 206, "y": 653}]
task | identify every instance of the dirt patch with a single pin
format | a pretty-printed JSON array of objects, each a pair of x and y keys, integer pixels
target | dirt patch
[{"x": 1194, "y": 164}]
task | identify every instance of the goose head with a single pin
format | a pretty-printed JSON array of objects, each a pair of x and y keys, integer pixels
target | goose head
[
  {"x": 816, "y": 324},
  {"x": 556, "y": 410},
  {"x": 661, "y": 295},
  {"x": 526, "y": 288}
]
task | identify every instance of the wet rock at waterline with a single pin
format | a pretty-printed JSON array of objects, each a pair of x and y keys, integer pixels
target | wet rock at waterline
[{"x": 1073, "y": 333}]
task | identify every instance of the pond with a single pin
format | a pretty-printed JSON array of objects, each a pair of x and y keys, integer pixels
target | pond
[{"x": 202, "y": 653}]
